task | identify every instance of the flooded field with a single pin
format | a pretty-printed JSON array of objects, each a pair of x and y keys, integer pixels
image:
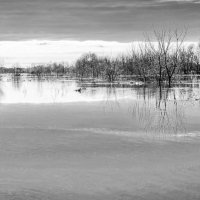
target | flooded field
[{"x": 60, "y": 142}]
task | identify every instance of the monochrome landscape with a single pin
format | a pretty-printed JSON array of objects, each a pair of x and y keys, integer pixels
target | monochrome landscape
[{"x": 99, "y": 100}]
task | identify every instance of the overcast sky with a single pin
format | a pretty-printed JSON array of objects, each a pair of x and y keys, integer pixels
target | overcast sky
[
  {"x": 35, "y": 31},
  {"x": 118, "y": 20}
]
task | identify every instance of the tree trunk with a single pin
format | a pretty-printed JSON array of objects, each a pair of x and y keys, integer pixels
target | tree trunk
[{"x": 169, "y": 81}]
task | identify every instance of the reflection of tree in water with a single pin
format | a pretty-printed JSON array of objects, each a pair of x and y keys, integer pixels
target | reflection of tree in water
[
  {"x": 111, "y": 99},
  {"x": 1, "y": 92},
  {"x": 160, "y": 113},
  {"x": 171, "y": 114},
  {"x": 16, "y": 81},
  {"x": 108, "y": 96}
]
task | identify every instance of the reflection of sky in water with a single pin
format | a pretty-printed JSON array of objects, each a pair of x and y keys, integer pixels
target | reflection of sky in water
[
  {"x": 27, "y": 89},
  {"x": 153, "y": 110},
  {"x": 32, "y": 90}
]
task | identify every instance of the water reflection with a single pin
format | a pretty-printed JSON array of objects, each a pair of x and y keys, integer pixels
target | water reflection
[
  {"x": 152, "y": 110},
  {"x": 160, "y": 112},
  {"x": 16, "y": 81},
  {"x": 36, "y": 89}
]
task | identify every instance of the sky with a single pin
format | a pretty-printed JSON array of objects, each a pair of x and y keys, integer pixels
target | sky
[{"x": 34, "y": 22}]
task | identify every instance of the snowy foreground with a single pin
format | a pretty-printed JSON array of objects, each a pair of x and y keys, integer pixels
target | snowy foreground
[{"x": 59, "y": 152}]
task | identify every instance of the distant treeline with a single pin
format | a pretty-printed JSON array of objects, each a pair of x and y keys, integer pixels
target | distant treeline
[
  {"x": 157, "y": 59},
  {"x": 54, "y": 68}
]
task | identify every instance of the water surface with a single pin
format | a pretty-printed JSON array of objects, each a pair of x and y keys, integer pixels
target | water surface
[
  {"x": 101, "y": 143},
  {"x": 174, "y": 111}
]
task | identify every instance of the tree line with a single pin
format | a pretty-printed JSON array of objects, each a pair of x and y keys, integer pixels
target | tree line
[
  {"x": 158, "y": 59},
  {"x": 53, "y": 68}
]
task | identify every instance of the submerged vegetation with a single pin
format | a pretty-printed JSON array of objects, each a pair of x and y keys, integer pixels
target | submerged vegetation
[{"x": 158, "y": 59}]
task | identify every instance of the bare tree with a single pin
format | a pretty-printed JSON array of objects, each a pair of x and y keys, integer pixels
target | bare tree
[
  {"x": 112, "y": 69},
  {"x": 166, "y": 49},
  {"x": 197, "y": 59},
  {"x": 87, "y": 66},
  {"x": 174, "y": 61},
  {"x": 187, "y": 59},
  {"x": 160, "y": 49}
]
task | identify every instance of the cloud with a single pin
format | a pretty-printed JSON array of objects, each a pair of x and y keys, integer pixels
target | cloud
[
  {"x": 27, "y": 52},
  {"x": 95, "y": 20}
]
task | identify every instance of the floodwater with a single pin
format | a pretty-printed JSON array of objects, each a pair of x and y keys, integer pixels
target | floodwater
[{"x": 115, "y": 142}]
